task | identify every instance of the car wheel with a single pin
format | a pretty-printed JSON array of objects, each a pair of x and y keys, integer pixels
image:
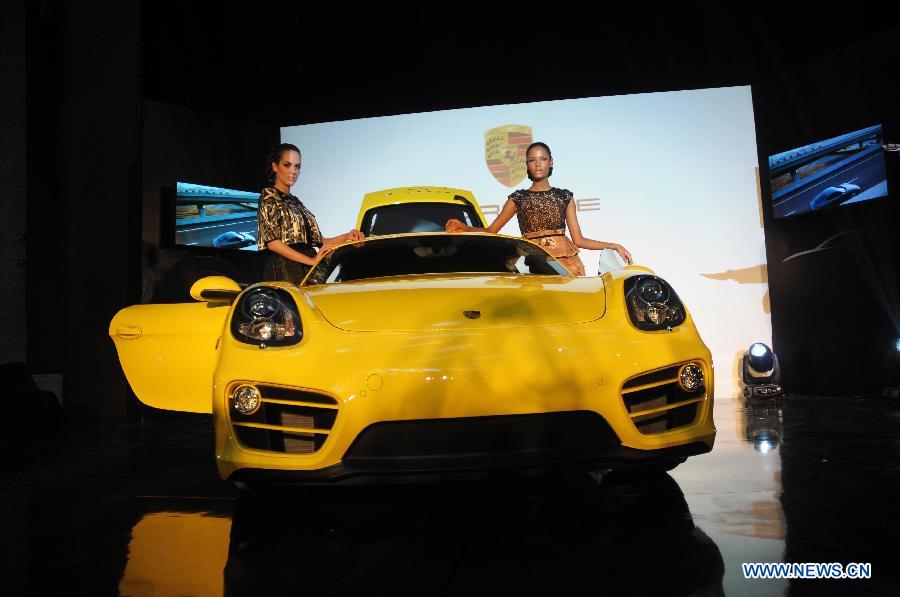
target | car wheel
[
  {"x": 171, "y": 282},
  {"x": 650, "y": 470},
  {"x": 665, "y": 467},
  {"x": 246, "y": 491}
]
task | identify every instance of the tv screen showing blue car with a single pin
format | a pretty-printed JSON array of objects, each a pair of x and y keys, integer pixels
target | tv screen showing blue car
[
  {"x": 846, "y": 169},
  {"x": 215, "y": 217}
]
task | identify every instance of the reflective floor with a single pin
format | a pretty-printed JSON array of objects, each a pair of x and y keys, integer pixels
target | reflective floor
[{"x": 140, "y": 511}]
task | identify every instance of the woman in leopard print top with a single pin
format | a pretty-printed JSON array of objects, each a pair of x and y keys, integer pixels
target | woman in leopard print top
[{"x": 543, "y": 213}]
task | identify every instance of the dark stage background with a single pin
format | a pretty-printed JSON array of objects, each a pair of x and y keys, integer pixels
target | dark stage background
[
  {"x": 835, "y": 310},
  {"x": 180, "y": 144},
  {"x": 128, "y": 97}
]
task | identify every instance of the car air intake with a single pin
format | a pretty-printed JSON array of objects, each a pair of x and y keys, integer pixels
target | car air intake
[
  {"x": 656, "y": 401},
  {"x": 289, "y": 420}
]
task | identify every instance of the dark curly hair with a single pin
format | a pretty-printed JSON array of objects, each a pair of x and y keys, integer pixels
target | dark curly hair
[
  {"x": 549, "y": 154},
  {"x": 274, "y": 157}
]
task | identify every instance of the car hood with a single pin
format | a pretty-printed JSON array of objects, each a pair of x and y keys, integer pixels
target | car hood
[{"x": 430, "y": 302}]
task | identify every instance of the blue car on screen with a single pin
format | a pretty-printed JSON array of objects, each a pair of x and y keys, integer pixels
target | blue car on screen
[{"x": 834, "y": 195}]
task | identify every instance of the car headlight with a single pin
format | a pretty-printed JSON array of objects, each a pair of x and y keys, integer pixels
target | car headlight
[
  {"x": 652, "y": 304},
  {"x": 267, "y": 317}
]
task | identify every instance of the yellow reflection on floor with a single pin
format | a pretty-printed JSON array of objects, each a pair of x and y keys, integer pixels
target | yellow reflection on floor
[{"x": 176, "y": 553}]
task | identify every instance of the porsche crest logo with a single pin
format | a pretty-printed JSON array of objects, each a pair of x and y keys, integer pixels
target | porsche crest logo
[{"x": 504, "y": 152}]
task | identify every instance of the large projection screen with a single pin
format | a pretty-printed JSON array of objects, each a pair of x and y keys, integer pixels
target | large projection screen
[{"x": 671, "y": 176}]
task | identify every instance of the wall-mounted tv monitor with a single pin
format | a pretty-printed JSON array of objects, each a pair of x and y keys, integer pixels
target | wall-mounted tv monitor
[
  {"x": 215, "y": 217},
  {"x": 842, "y": 170}
]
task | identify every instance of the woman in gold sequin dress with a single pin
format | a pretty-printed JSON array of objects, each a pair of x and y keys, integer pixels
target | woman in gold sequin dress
[
  {"x": 543, "y": 213},
  {"x": 286, "y": 227}
]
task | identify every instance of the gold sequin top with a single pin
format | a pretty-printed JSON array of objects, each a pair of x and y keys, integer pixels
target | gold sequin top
[
  {"x": 283, "y": 217},
  {"x": 541, "y": 210}
]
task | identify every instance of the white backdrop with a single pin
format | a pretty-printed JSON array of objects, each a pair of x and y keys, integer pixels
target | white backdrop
[{"x": 673, "y": 176}]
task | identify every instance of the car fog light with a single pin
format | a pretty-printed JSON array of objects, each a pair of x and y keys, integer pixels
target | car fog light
[
  {"x": 246, "y": 400},
  {"x": 690, "y": 377}
]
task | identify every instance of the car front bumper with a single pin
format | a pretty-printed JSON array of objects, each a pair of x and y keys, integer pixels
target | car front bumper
[{"x": 481, "y": 380}]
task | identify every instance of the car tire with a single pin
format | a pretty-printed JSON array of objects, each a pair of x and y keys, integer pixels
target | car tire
[
  {"x": 246, "y": 491},
  {"x": 171, "y": 282},
  {"x": 650, "y": 470}
]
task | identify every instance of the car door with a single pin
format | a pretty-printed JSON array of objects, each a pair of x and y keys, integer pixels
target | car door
[{"x": 169, "y": 352}]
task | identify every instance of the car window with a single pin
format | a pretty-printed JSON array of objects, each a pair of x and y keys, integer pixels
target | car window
[
  {"x": 434, "y": 254},
  {"x": 416, "y": 217}
]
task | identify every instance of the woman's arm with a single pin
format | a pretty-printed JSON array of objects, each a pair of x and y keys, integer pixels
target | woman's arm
[
  {"x": 352, "y": 236},
  {"x": 277, "y": 246},
  {"x": 505, "y": 215},
  {"x": 587, "y": 243}
]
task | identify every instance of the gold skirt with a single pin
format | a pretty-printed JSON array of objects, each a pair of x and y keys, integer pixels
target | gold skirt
[{"x": 560, "y": 246}]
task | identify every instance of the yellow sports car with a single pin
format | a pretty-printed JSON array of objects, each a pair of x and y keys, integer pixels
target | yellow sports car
[{"x": 420, "y": 355}]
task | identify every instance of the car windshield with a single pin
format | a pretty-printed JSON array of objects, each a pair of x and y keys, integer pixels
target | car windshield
[
  {"x": 434, "y": 254},
  {"x": 416, "y": 217}
]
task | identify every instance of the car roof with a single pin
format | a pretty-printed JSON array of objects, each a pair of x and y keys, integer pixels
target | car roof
[{"x": 420, "y": 194}]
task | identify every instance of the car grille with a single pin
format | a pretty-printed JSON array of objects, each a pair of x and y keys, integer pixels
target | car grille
[
  {"x": 495, "y": 439},
  {"x": 656, "y": 403},
  {"x": 289, "y": 420}
]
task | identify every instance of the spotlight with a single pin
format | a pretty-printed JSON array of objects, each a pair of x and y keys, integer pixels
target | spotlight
[{"x": 761, "y": 372}]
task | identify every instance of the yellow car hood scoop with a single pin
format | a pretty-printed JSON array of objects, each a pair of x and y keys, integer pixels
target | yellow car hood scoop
[{"x": 419, "y": 303}]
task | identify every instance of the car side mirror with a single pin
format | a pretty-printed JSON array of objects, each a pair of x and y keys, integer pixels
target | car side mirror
[{"x": 215, "y": 289}]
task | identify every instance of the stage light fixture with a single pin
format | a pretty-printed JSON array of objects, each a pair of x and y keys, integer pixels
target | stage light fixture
[{"x": 761, "y": 372}]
